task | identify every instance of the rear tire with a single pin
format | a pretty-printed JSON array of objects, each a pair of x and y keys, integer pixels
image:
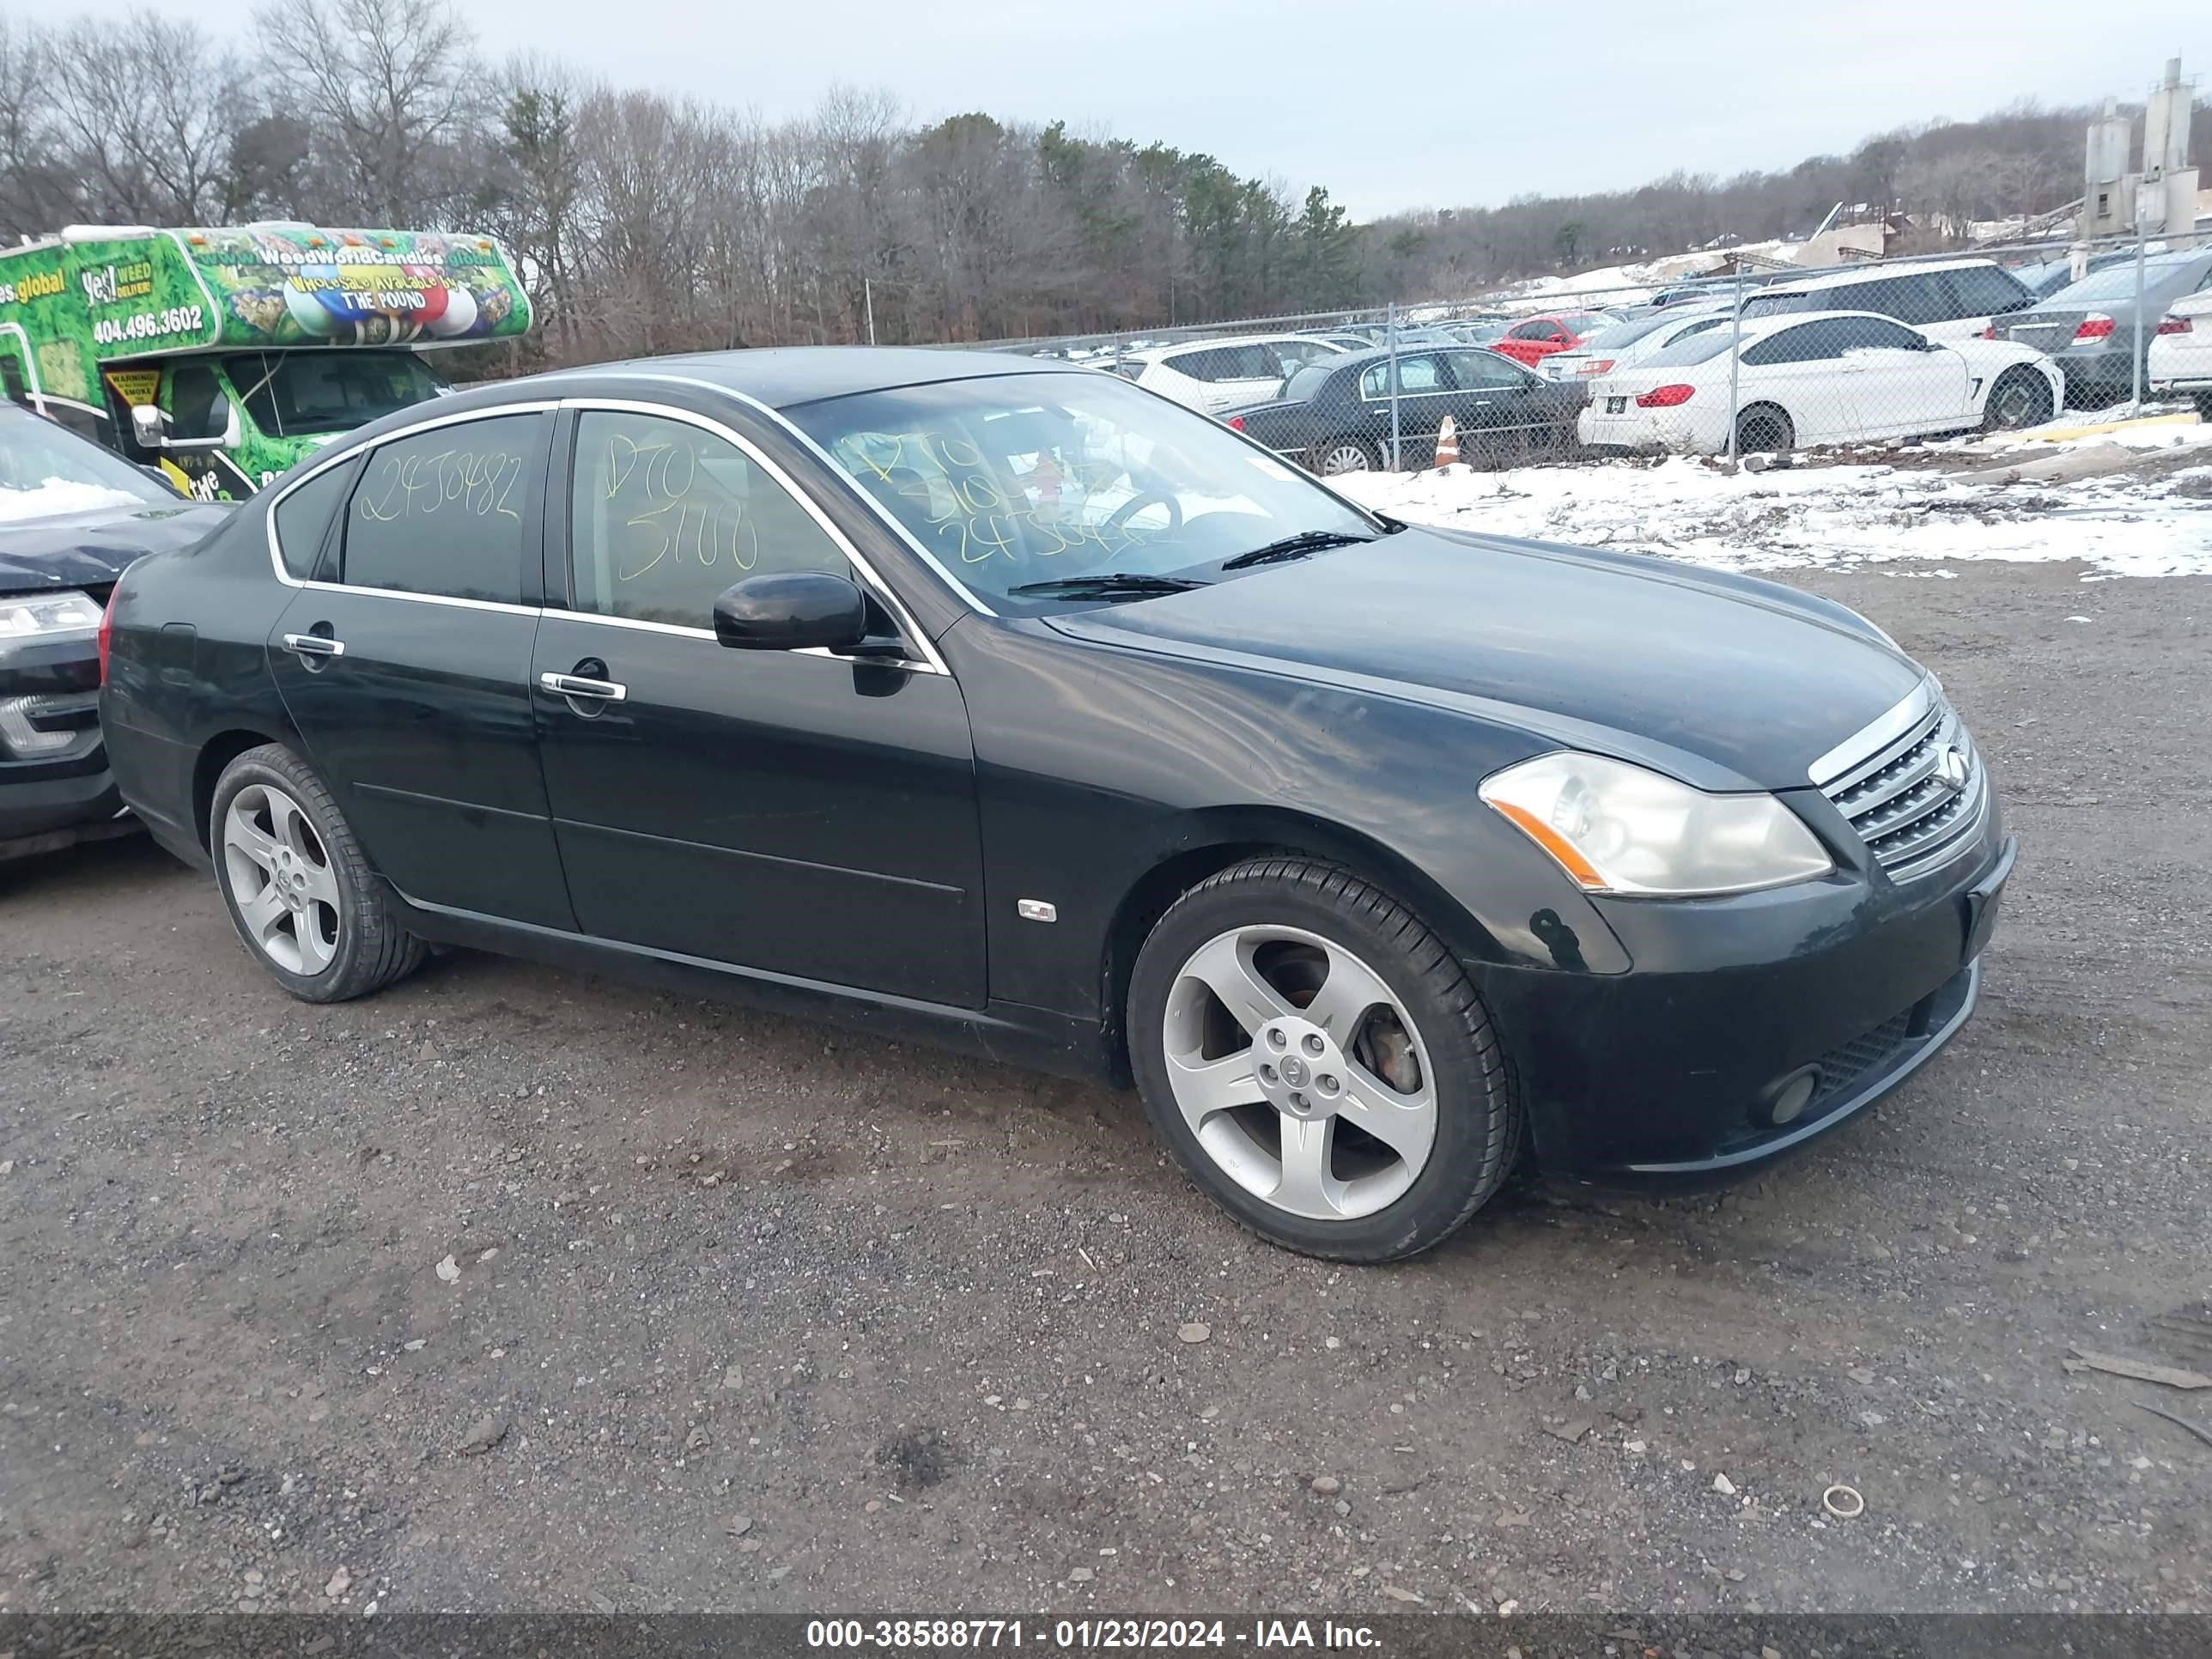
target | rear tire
[
  {"x": 1355, "y": 1104},
  {"x": 2021, "y": 398},
  {"x": 1334, "y": 457},
  {"x": 300, "y": 890},
  {"x": 1764, "y": 429}
]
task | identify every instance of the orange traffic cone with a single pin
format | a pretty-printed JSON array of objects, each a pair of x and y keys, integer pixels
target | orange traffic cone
[{"x": 1448, "y": 443}]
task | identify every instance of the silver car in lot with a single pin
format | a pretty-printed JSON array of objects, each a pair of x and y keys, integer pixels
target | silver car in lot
[{"x": 2090, "y": 329}]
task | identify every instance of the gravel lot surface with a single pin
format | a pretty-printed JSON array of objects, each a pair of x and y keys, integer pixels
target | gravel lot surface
[{"x": 514, "y": 1289}]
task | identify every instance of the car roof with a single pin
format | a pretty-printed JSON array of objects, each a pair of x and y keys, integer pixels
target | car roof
[
  {"x": 783, "y": 377},
  {"x": 1871, "y": 273},
  {"x": 1154, "y": 354}
]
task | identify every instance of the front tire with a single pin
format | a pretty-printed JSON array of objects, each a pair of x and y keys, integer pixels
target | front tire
[
  {"x": 298, "y": 887},
  {"x": 1319, "y": 1062},
  {"x": 2021, "y": 398}
]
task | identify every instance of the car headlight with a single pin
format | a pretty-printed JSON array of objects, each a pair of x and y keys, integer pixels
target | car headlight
[
  {"x": 42, "y": 615},
  {"x": 1620, "y": 829}
]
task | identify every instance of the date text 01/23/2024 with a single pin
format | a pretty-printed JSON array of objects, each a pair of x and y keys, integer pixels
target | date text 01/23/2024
[{"x": 1085, "y": 1634}]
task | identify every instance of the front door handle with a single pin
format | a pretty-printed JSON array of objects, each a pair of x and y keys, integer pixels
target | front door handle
[
  {"x": 314, "y": 645},
  {"x": 577, "y": 685}
]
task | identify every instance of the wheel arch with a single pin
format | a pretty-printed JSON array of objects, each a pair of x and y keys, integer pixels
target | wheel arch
[
  {"x": 1211, "y": 840},
  {"x": 216, "y": 751}
]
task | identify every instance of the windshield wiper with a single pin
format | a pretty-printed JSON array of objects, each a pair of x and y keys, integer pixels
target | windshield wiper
[
  {"x": 1121, "y": 585},
  {"x": 1294, "y": 547}
]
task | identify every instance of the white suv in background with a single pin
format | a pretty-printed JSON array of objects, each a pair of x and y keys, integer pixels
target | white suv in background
[
  {"x": 1212, "y": 375},
  {"x": 1945, "y": 299}
]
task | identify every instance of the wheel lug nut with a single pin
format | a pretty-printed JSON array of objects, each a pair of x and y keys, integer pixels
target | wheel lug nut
[
  {"x": 1267, "y": 1072},
  {"x": 1313, "y": 1043},
  {"x": 1298, "y": 1102},
  {"x": 1327, "y": 1082},
  {"x": 1276, "y": 1039}
]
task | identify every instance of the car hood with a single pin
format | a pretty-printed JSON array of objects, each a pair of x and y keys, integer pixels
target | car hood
[
  {"x": 77, "y": 549},
  {"x": 1725, "y": 682}
]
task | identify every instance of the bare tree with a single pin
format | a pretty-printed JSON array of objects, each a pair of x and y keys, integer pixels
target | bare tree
[
  {"x": 148, "y": 110},
  {"x": 396, "y": 93}
]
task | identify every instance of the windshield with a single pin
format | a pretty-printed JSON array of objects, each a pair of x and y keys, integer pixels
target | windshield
[
  {"x": 291, "y": 394},
  {"x": 1022, "y": 478},
  {"x": 47, "y": 470}
]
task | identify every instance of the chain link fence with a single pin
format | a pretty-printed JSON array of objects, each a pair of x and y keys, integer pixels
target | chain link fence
[{"x": 1759, "y": 361}]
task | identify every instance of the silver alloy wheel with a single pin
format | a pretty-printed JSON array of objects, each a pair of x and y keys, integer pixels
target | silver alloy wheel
[
  {"x": 1276, "y": 1041},
  {"x": 1340, "y": 458},
  {"x": 280, "y": 879}
]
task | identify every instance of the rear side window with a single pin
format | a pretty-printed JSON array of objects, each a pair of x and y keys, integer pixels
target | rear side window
[
  {"x": 445, "y": 513},
  {"x": 1414, "y": 374},
  {"x": 304, "y": 516},
  {"x": 1807, "y": 342}
]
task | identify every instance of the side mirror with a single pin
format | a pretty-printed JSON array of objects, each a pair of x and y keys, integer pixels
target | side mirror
[
  {"x": 146, "y": 425},
  {"x": 793, "y": 610}
]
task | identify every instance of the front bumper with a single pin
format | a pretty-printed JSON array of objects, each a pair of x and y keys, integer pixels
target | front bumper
[
  {"x": 1671, "y": 1072},
  {"x": 60, "y": 790}
]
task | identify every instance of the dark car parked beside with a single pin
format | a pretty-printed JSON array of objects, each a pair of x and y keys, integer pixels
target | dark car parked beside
[
  {"x": 72, "y": 516},
  {"x": 1335, "y": 417},
  {"x": 975, "y": 697},
  {"x": 2089, "y": 328}
]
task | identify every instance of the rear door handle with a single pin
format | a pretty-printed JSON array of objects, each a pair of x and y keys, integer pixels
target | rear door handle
[
  {"x": 314, "y": 645},
  {"x": 576, "y": 685}
]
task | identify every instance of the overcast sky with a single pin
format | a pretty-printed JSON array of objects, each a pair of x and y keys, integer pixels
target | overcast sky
[{"x": 1409, "y": 105}]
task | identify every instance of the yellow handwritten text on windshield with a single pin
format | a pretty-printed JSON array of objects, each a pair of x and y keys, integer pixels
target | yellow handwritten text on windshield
[{"x": 976, "y": 516}]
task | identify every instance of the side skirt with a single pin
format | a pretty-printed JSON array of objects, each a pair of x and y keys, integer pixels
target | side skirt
[{"x": 1012, "y": 1033}]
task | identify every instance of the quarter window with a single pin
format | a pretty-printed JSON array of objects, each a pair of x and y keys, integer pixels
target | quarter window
[
  {"x": 1808, "y": 342},
  {"x": 446, "y": 512},
  {"x": 667, "y": 516},
  {"x": 304, "y": 516}
]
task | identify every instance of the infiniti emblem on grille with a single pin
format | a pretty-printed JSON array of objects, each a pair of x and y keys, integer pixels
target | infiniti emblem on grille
[{"x": 1951, "y": 772}]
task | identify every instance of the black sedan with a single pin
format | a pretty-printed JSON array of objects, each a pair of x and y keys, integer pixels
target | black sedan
[
  {"x": 1003, "y": 702},
  {"x": 71, "y": 515},
  {"x": 1334, "y": 416}
]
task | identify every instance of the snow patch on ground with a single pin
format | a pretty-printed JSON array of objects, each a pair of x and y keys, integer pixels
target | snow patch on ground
[
  {"x": 59, "y": 496},
  {"x": 1837, "y": 517}
]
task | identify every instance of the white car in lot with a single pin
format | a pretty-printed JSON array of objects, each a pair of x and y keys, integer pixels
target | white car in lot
[
  {"x": 1946, "y": 299},
  {"x": 1829, "y": 377},
  {"x": 2178, "y": 361},
  {"x": 1212, "y": 375}
]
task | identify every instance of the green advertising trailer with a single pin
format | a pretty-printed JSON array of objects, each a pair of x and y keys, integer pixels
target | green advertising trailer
[{"x": 223, "y": 355}]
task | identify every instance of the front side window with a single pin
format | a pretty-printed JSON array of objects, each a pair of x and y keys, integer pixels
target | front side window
[
  {"x": 445, "y": 513},
  {"x": 1013, "y": 479},
  {"x": 666, "y": 516},
  {"x": 198, "y": 411},
  {"x": 1808, "y": 342},
  {"x": 1876, "y": 334},
  {"x": 1985, "y": 291},
  {"x": 1485, "y": 371}
]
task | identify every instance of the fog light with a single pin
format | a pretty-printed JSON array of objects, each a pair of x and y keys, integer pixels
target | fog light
[{"x": 1795, "y": 1096}]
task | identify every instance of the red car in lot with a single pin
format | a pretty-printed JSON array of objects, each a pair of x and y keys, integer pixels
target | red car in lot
[{"x": 1539, "y": 337}]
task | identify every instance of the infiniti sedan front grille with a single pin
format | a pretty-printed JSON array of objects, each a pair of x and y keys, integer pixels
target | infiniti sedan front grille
[{"x": 1917, "y": 795}]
